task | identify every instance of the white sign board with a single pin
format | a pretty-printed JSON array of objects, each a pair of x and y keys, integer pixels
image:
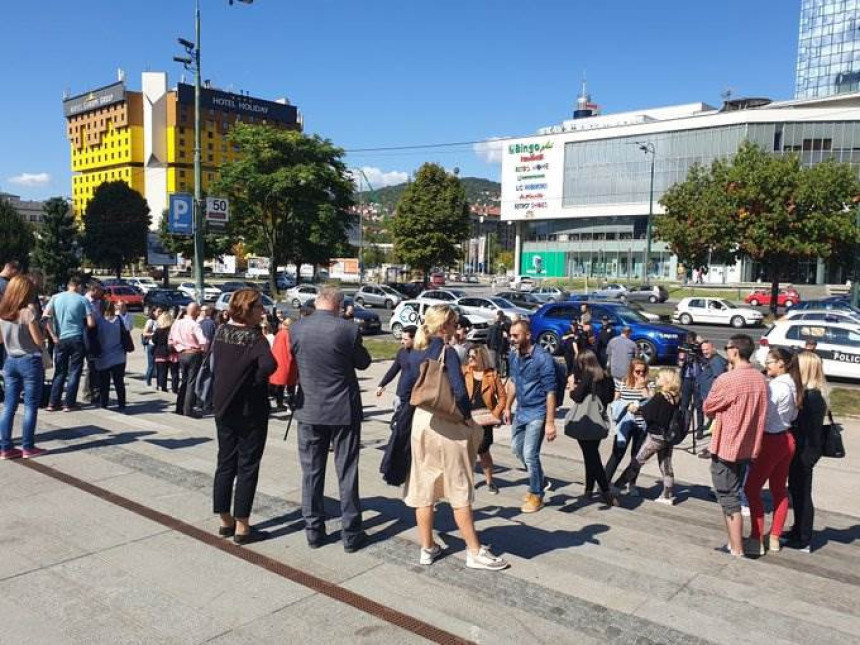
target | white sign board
[{"x": 217, "y": 212}]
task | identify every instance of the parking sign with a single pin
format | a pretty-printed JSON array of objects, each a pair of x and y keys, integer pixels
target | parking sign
[{"x": 181, "y": 214}]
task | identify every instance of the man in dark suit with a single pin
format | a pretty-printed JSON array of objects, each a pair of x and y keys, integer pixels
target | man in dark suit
[{"x": 328, "y": 350}]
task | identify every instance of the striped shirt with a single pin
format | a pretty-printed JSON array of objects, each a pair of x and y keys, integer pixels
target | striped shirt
[
  {"x": 739, "y": 399},
  {"x": 630, "y": 394}
]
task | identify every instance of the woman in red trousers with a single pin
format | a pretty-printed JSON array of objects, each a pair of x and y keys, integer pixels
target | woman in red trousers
[
  {"x": 777, "y": 449},
  {"x": 286, "y": 375}
]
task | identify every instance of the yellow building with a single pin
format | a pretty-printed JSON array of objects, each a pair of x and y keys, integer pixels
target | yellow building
[{"x": 147, "y": 138}]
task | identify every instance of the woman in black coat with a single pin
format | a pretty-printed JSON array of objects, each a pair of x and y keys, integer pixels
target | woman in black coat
[{"x": 593, "y": 379}]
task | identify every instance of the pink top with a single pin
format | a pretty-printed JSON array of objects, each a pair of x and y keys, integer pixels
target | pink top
[
  {"x": 186, "y": 334},
  {"x": 739, "y": 400}
]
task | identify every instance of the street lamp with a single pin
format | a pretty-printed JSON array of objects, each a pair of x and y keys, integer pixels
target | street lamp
[
  {"x": 191, "y": 62},
  {"x": 648, "y": 148}
]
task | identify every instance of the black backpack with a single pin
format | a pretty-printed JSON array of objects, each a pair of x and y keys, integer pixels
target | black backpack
[{"x": 677, "y": 430}]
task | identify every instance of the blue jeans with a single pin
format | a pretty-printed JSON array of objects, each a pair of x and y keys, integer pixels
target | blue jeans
[
  {"x": 68, "y": 362},
  {"x": 526, "y": 440},
  {"x": 28, "y": 374},
  {"x": 150, "y": 362}
]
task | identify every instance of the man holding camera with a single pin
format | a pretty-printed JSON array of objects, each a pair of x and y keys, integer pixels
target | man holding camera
[{"x": 690, "y": 360}]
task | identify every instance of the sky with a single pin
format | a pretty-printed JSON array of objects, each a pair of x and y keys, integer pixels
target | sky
[{"x": 387, "y": 73}]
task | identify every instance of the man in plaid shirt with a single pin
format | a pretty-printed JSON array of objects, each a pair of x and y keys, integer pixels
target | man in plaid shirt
[{"x": 738, "y": 399}]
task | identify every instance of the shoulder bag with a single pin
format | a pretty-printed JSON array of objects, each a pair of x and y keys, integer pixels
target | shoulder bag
[
  {"x": 587, "y": 420},
  {"x": 125, "y": 337},
  {"x": 432, "y": 391},
  {"x": 832, "y": 445}
]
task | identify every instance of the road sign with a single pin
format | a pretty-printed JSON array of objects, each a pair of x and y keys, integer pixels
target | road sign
[
  {"x": 217, "y": 213},
  {"x": 181, "y": 214}
]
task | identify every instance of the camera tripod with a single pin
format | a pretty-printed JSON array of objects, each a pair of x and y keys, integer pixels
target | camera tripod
[{"x": 693, "y": 427}]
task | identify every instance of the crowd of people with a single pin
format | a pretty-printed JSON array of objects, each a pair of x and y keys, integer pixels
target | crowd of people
[{"x": 450, "y": 397}]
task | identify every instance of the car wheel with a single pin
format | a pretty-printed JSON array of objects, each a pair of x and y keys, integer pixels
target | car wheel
[
  {"x": 623, "y": 299},
  {"x": 754, "y": 302},
  {"x": 737, "y": 322},
  {"x": 685, "y": 319},
  {"x": 652, "y": 300},
  {"x": 296, "y": 303},
  {"x": 389, "y": 304},
  {"x": 359, "y": 301},
  {"x": 397, "y": 330},
  {"x": 789, "y": 303},
  {"x": 647, "y": 351},
  {"x": 550, "y": 342}
]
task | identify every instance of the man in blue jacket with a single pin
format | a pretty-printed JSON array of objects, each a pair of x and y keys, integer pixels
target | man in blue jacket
[{"x": 712, "y": 365}]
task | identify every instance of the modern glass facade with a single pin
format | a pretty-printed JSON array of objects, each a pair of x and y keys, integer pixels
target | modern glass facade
[{"x": 828, "y": 53}]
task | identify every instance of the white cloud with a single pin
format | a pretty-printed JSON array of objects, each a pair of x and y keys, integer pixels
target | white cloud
[
  {"x": 31, "y": 179},
  {"x": 378, "y": 178},
  {"x": 490, "y": 151}
]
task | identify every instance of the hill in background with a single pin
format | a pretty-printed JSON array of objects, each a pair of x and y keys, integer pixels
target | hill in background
[{"x": 478, "y": 191}]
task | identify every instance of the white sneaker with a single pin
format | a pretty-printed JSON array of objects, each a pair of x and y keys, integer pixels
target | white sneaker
[
  {"x": 428, "y": 556},
  {"x": 632, "y": 490},
  {"x": 745, "y": 511},
  {"x": 668, "y": 501},
  {"x": 483, "y": 559}
]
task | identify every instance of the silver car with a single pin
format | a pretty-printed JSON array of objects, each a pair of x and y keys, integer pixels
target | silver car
[
  {"x": 303, "y": 294},
  {"x": 487, "y": 307},
  {"x": 377, "y": 295}
]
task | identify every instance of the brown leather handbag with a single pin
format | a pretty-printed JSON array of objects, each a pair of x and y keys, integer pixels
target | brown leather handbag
[{"x": 432, "y": 391}]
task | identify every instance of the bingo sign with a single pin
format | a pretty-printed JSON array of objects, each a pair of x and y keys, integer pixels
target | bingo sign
[{"x": 217, "y": 213}]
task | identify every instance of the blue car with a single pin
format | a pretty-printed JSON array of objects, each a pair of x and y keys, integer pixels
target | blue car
[{"x": 657, "y": 342}]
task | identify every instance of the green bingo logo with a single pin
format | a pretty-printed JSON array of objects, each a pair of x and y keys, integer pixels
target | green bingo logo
[{"x": 528, "y": 148}]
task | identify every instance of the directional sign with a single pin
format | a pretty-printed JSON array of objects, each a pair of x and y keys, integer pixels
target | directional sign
[
  {"x": 181, "y": 214},
  {"x": 217, "y": 213}
]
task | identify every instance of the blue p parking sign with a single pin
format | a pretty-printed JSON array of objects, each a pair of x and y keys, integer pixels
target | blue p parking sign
[{"x": 180, "y": 214}]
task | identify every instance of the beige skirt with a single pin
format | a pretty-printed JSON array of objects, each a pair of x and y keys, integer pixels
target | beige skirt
[{"x": 443, "y": 461}]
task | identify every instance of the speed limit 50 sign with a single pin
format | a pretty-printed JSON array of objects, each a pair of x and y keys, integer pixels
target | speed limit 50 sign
[{"x": 217, "y": 212}]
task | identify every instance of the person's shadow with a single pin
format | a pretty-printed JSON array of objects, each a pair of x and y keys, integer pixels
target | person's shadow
[{"x": 528, "y": 542}]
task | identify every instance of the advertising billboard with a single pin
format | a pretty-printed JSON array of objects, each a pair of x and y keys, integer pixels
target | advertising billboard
[
  {"x": 238, "y": 104},
  {"x": 94, "y": 99},
  {"x": 532, "y": 178},
  {"x": 543, "y": 264}
]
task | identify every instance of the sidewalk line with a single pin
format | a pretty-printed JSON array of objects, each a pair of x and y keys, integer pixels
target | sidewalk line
[{"x": 333, "y": 591}]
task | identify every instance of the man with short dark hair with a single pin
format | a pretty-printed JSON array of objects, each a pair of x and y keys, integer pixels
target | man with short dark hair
[
  {"x": 10, "y": 270},
  {"x": 620, "y": 351},
  {"x": 459, "y": 342},
  {"x": 601, "y": 345},
  {"x": 188, "y": 339},
  {"x": 739, "y": 399},
  {"x": 68, "y": 316},
  {"x": 497, "y": 342}
]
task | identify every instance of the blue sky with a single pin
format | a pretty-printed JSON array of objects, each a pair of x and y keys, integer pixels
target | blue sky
[{"x": 390, "y": 73}]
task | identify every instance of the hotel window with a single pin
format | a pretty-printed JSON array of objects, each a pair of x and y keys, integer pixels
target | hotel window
[{"x": 210, "y": 158}]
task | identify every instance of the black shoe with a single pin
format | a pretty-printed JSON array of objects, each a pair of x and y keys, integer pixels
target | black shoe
[
  {"x": 227, "y": 531},
  {"x": 356, "y": 543},
  {"x": 316, "y": 540},
  {"x": 249, "y": 538}
]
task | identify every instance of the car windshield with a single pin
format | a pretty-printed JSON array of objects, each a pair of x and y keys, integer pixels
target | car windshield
[
  {"x": 459, "y": 293},
  {"x": 726, "y": 304},
  {"x": 172, "y": 294},
  {"x": 389, "y": 291},
  {"x": 628, "y": 315},
  {"x": 501, "y": 302}
]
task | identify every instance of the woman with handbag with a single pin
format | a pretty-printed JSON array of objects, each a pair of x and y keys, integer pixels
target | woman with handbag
[
  {"x": 631, "y": 429},
  {"x": 110, "y": 364},
  {"x": 587, "y": 421},
  {"x": 808, "y": 433},
  {"x": 488, "y": 398},
  {"x": 23, "y": 368},
  {"x": 444, "y": 440},
  {"x": 658, "y": 413}
]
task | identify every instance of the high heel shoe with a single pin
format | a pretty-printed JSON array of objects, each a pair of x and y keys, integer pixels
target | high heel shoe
[{"x": 227, "y": 531}]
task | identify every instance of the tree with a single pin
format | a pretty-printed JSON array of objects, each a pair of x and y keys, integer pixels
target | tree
[
  {"x": 432, "y": 218},
  {"x": 115, "y": 226},
  {"x": 56, "y": 250},
  {"x": 762, "y": 206},
  {"x": 504, "y": 261},
  {"x": 290, "y": 196},
  {"x": 214, "y": 244},
  {"x": 16, "y": 235}
]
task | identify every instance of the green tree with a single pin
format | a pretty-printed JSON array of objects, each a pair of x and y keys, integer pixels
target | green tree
[
  {"x": 115, "y": 226},
  {"x": 762, "y": 206},
  {"x": 431, "y": 220},
  {"x": 16, "y": 235},
  {"x": 290, "y": 196},
  {"x": 504, "y": 261},
  {"x": 56, "y": 241}
]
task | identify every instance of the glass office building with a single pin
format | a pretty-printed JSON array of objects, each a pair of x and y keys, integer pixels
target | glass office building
[{"x": 828, "y": 54}]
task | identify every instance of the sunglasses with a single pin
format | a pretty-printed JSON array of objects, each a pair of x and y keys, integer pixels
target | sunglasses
[{"x": 639, "y": 372}]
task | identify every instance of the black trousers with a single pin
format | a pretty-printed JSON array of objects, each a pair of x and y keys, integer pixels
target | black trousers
[
  {"x": 116, "y": 374},
  {"x": 689, "y": 390},
  {"x": 593, "y": 465},
  {"x": 800, "y": 489},
  {"x": 161, "y": 370},
  {"x": 313, "y": 443},
  {"x": 240, "y": 449},
  {"x": 189, "y": 365},
  {"x": 635, "y": 441}
]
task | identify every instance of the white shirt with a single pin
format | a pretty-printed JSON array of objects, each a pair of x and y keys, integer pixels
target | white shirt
[{"x": 781, "y": 405}]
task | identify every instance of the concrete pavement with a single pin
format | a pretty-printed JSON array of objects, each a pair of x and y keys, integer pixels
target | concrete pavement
[{"x": 79, "y": 568}]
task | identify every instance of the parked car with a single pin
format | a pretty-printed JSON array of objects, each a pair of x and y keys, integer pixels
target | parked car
[
  {"x": 377, "y": 295},
  {"x": 715, "y": 311},
  {"x": 407, "y": 289},
  {"x": 832, "y": 315},
  {"x": 165, "y": 298},
  {"x": 657, "y": 342},
  {"x": 785, "y": 298},
  {"x": 210, "y": 292},
  {"x": 143, "y": 284},
  {"x": 302, "y": 294},
  {"x": 411, "y": 312},
  {"x": 828, "y": 304},
  {"x": 549, "y": 294},
  {"x": 454, "y": 276},
  {"x": 441, "y": 296},
  {"x": 234, "y": 285},
  {"x": 223, "y": 302},
  {"x": 500, "y": 282},
  {"x": 524, "y": 300},
  {"x": 125, "y": 293},
  {"x": 284, "y": 281},
  {"x": 115, "y": 282},
  {"x": 471, "y": 278},
  {"x": 611, "y": 291},
  {"x": 487, "y": 307},
  {"x": 437, "y": 280},
  {"x": 838, "y": 344},
  {"x": 652, "y": 293},
  {"x": 522, "y": 283},
  {"x": 367, "y": 321}
]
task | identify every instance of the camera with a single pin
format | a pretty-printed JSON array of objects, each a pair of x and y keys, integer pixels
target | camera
[{"x": 689, "y": 352}]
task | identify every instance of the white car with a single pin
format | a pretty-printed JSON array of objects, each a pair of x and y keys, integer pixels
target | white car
[
  {"x": 440, "y": 296},
  {"x": 487, "y": 307},
  {"x": 522, "y": 283},
  {"x": 827, "y": 315},
  {"x": 838, "y": 344},
  {"x": 143, "y": 284},
  {"x": 715, "y": 311},
  {"x": 303, "y": 294},
  {"x": 411, "y": 313},
  {"x": 210, "y": 293}
]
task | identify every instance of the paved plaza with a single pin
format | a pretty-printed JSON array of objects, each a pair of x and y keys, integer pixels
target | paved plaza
[{"x": 107, "y": 540}]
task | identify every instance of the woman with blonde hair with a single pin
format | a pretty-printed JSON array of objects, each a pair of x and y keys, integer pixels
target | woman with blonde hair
[
  {"x": 658, "y": 413},
  {"x": 809, "y": 440},
  {"x": 485, "y": 390},
  {"x": 444, "y": 451},
  {"x": 166, "y": 357}
]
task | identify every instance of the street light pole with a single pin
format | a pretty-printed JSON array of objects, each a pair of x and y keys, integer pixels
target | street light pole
[
  {"x": 198, "y": 171},
  {"x": 648, "y": 148},
  {"x": 855, "y": 278}
]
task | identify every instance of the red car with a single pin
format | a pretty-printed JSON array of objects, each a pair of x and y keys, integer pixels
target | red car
[
  {"x": 437, "y": 280},
  {"x": 132, "y": 299},
  {"x": 786, "y": 298}
]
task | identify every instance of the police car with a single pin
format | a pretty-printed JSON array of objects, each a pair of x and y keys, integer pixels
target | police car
[
  {"x": 411, "y": 312},
  {"x": 838, "y": 344}
]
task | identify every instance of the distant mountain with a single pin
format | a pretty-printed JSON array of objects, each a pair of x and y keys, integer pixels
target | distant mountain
[{"x": 478, "y": 191}]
